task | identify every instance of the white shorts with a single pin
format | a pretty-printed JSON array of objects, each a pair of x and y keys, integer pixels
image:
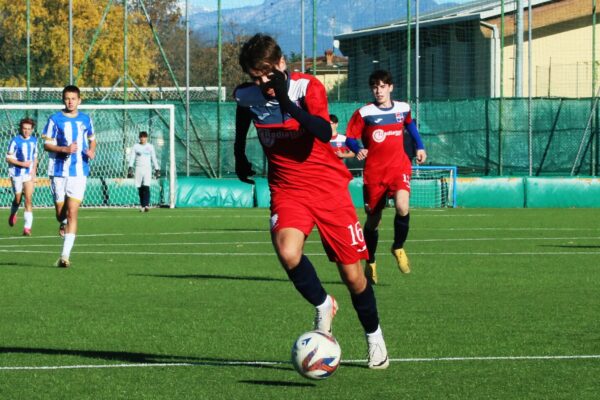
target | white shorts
[
  {"x": 18, "y": 181},
  {"x": 68, "y": 186},
  {"x": 143, "y": 177}
]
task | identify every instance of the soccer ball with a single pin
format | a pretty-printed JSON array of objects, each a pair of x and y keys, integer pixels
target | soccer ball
[{"x": 316, "y": 355}]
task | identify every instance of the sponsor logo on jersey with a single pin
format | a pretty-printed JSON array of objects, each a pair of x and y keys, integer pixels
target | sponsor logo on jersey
[
  {"x": 379, "y": 135},
  {"x": 399, "y": 117},
  {"x": 268, "y": 137}
]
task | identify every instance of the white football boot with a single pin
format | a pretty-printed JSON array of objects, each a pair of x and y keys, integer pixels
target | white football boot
[
  {"x": 378, "y": 355},
  {"x": 324, "y": 314}
]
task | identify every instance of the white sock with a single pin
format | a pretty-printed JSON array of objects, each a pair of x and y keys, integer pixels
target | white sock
[
  {"x": 326, "y": 303},
  {"x": 68, "y": 245},
  {"x": 378, "y": 332},
  {"x": 28, "y": 217}
]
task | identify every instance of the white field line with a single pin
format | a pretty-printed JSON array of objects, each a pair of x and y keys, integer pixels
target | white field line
[
  {"x": 264, "y": 231},
  {"x": 12, "y": 238},
  {"x": 264, "y": 215},
  {"x": 268, "y": 242},
  {"x": 321, "y": 254},
  {"x": 267, "y": 363}
]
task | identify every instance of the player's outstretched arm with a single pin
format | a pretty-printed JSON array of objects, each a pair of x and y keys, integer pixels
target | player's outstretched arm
[
  {"x": 243, "y": 167},
  {"x": 414, "y": 132},
  {"x": 317, "y": 126}
]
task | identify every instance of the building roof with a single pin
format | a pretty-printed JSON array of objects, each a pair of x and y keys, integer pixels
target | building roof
[
  {"x": 338, "y": 63},
  {"x": 476, "y": 10}
]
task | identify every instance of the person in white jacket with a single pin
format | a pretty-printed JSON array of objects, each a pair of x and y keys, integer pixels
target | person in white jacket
[{"x": 144, "y": 157}]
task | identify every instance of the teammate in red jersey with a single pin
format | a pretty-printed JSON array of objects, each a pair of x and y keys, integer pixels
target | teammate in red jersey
[
  {"x": 381, "y": 126},
  {"x": 308, "y": 183}
]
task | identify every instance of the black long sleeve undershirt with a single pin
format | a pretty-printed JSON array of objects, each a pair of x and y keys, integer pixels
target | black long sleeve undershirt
[
  {"x": 313, "y": 124},
  {"x": 243, "y": 119}
]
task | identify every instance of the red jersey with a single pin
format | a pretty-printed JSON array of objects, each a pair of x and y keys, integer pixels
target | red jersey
[
  {"x": 299, "y": 164},
  {"x": 381, "y": 131}
]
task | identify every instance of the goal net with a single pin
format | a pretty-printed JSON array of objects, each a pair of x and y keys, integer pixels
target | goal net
[
  {"x": 433, "y": 187},
  {"x": 117, "y": 127}
]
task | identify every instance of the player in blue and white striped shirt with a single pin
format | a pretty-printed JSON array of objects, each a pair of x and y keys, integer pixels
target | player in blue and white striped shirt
[
  {"x": 22, "y": 161},
  {"x": 70, "y": 142}
]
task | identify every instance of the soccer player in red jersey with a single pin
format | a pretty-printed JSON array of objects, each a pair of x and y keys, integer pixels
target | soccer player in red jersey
[
  {"x": 381, "y": 127},
  {"x": 308, "y": 183}
]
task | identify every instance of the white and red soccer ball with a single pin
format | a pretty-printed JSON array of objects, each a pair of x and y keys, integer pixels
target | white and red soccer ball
[{"x": 316, "y": 355}]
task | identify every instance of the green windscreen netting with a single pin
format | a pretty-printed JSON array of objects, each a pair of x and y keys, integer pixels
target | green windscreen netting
[{"x": 486, "y": 137}]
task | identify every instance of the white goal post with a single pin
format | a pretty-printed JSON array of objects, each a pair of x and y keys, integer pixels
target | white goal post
[
  {"x": 117, "y": 127},
  {"x": 433, "y": 186}
]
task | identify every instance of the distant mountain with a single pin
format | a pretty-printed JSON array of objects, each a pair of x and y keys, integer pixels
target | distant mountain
[{"x": 282, "y": 19}]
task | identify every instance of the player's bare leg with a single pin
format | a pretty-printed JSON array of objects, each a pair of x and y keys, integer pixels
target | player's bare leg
[
  {"x": 72, "y": 215},
  {"x": 401, "y": 226},
  {"x": 371, "y": 231},
  {"x": 363, "y": 300},
  {"x": 289, "y": 246},
  {"x": 61, "y": 217}
]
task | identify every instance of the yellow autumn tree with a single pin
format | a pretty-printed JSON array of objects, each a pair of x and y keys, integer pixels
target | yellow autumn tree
[
  {"x": 13, "y": 39},
  {"x": 50, "y": 43}
]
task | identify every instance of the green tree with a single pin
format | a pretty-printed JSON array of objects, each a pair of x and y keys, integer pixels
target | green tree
[
  {"x": 166, "y": 19},
  {"x": 205, "y": 61}
]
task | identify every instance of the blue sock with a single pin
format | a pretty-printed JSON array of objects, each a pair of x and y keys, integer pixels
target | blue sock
[
  {"x": 305, "y": 279},
  {"x": 366, "y": 308},
  {"x": 400, "y": 230},
  {"x": 146, "y": 199},
  {"x": 14, "y": 207},
  {"x": 371, "y": 239}
]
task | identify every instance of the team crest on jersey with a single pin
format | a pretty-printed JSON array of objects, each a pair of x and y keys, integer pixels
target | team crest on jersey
[
  {"x": 399, "y": 117},
  {"x": 379, "y": 135}
]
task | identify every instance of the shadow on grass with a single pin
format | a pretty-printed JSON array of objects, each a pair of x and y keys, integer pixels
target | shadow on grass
[
  {"x": 202, "y": 231},
  {"x": 571, "y": 246},
  {"x": 228, "y": 277},
  {"x": 277, "y": 383},
  {"x": 22, "y": 264},
  {"x": 146, "y": 358},
  {"x": 222, "y": 277},
  {"x": 354, "y": 365}
]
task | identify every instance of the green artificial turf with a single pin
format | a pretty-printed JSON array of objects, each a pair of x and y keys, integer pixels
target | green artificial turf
[{"x": 192, "y": 304}]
